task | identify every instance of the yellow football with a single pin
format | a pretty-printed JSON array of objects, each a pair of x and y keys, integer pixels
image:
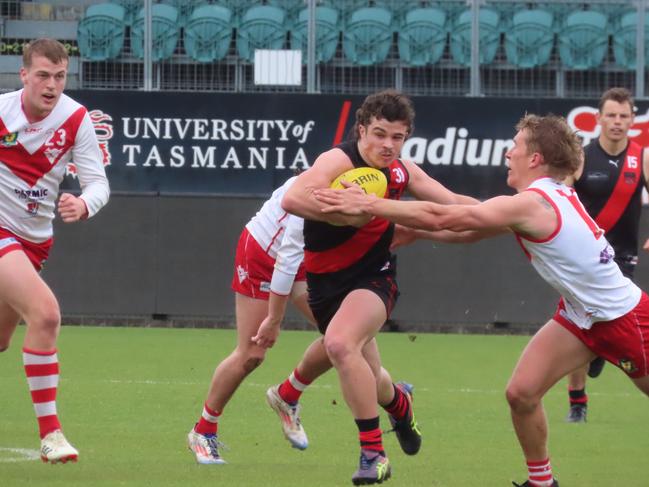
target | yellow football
[{"x": 371, "y": 180}]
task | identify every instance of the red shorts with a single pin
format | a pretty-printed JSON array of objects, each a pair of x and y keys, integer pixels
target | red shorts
[
  {"x": 37, "y": 253},
  {"x": 253, "y": 268},
  {"x": 623, "y": 341}
]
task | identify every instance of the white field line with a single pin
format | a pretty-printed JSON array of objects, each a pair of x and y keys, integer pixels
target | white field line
[
  {"x": 12, "y": 455},
  {"x": 329, "y": 386}
]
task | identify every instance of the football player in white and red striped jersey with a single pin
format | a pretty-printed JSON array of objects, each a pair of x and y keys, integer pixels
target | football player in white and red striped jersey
[
  {"x": 601, "y": 312},
  {"x": 41, "y": 130}
]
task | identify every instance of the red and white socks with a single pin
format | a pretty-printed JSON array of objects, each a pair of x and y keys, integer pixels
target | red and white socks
[
  {"x": 208, "y": 423},
  {"x": 292, "y": 388},
  {"x": 539, "y": 473},
  {"x": 42, "y": 370}
]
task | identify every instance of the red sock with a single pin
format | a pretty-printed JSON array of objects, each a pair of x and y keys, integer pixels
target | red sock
[
  {"x": 399, "y": 406},
  {"x": 292, "y": 388},
  {"x": 370, "y": 434},
  {"x": 540, "y": 473},
  {"x": 208, "y": 423},
  {"x": 42, "y": 370}
]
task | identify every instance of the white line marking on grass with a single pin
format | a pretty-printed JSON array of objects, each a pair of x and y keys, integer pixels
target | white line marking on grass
[
  {"x": 19, "y": 455},
  {"x": 194, "y": 383}
]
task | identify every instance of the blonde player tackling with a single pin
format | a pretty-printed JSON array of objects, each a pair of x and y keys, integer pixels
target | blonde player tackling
[{"x": 601, "y": 312}]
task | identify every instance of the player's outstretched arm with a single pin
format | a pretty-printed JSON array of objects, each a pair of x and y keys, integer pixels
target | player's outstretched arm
[{"x": 425, "y": 188}]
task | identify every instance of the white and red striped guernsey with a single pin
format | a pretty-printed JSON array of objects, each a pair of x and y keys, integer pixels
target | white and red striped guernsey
[
  {"x": 577, "y": 260},
  {"x": 33, "y": 158}
]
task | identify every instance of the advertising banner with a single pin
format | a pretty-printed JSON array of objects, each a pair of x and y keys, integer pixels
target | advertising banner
[{"x": 248, "y": 144}]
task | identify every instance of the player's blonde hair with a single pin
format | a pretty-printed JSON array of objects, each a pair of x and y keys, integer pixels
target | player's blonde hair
[
  {"x": 48, "y": 48},
  {"x": 558, "y": 144}
]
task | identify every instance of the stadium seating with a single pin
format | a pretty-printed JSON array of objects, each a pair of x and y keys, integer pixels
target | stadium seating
[
  {"x": 165, "y": 33},
  {"x": 208, "y": 33},
  {"x": 367, "y": 37},
  {"x": 239, "y": 8},
  {"x": 261, "y": 27},
  {"x": 529, "y": 40},
  {"x": 131, "y": 9},
  {"x": 185, "y": 8},
  {"x": 624, "y": 40},
  {"x": 345, "y": 8},
  {"x": 100, "y": 33},
  {"x": 583, "y": 40},
  {"x": 422, "y": 37},
  {"x": 460, "y": 42},
  {"x": 291, "y": 8},
  {"x": 559, "y": 11},
  {"x": 327, "y": 33},
  {"x": 399, "y": 9}
]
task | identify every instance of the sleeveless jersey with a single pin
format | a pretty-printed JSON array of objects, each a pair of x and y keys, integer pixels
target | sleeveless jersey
[
  {"x": 577, "y": 261},
  {"x": 33, "y": 159},
  {"x": 280, "y": 234},
  {"x": 598, "y": 187},
  {"x": 345, "y": 252}
]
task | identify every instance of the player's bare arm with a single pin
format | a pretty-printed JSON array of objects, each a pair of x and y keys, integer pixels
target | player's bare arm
[
  {"x": 299, "y": 199},
  {"x": 425, "y": 188}
]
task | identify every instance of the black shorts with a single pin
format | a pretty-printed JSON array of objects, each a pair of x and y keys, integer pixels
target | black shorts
[{"x": 325, "y": 305}]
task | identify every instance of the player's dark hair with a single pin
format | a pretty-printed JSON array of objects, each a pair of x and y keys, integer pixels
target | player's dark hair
[
  {"x": 619, "y": 95},
  {"x": 558, "y": 144},
  {"x": 48, "y": 48},
  {"x": 390, "y": 105}
]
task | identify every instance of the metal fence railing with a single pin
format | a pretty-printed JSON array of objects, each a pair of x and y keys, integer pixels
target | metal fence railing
[{"x": 545, "y": 48}]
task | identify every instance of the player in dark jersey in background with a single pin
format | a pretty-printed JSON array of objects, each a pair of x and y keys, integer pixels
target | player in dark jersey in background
[
  {"x": 351, "y": 272},
  {"x": 609, "y": 185}
]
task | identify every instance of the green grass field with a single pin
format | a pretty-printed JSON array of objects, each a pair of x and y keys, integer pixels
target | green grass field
[{"x": 128, "y": 396}]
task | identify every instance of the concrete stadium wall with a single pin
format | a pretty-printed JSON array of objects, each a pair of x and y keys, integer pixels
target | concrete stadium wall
[{"x": 166, "y": 259}]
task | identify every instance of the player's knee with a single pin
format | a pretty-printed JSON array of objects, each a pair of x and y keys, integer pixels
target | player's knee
[
  {"x": 337, "y": 349},
  {"x": 48, "y": 317},
  {"x": 520, "y": 399}
]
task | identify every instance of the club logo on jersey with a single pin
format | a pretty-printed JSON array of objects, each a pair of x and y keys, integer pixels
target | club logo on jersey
[
  {"x": 628, "y": 366},
  {"x": 32, "y": 207},
  {"x": 242, "y": 273},
  {"x": 606, "y": 255},
  {"x": 264, "y": 287},
  {"x": 104, "y": 132},
  {"x": 629, "y": 177},
  {"x": 9, "y": 140}
]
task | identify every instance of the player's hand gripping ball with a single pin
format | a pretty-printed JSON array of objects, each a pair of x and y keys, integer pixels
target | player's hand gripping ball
[{"x": 371, "y": 180}]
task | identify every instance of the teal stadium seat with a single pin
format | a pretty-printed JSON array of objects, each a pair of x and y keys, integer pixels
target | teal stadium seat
[
  {"x": 367, "y": 37},
  {"x": 399, "y": 9},
  {"x": 453, "y": 9},
  {"x": 583, "y": 40},
  {"x": 560, "y": 11},
  {"x": 327, "y": 33},
  {"x": 261, "y": 27},
  {"x": 164, "y": 24},
  {"x": 529, "y": 40},
  {"x": 624, "y": 41},
  {"x": 345, "y": 8},
  {"x": 614, "y": 11},
  {"x": 292, "y": 9},
  {"x": 131, "y": 9},
  {"x": 208, "y": 33},
  {"x": 422, "y": 37},
  {"x": 185, "y": 8},
  {"x": 100, "y": 33},
  {"x": 489, "y": 40},
  {"x": 239, "y": 8},
  {"x": 506, "y": 11}
]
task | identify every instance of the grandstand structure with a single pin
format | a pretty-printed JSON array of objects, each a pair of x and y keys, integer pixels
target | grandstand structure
[{"x": 512, "y": 48}]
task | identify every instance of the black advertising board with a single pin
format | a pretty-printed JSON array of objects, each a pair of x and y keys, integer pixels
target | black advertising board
[{"x": 248, "y": 144}]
